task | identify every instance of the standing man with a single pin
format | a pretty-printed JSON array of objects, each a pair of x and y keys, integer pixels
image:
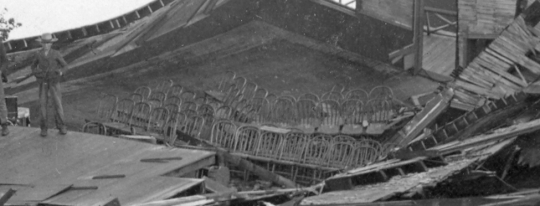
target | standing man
[
  {"x": 48, "y": 67},
  {"x": 3, "y": 108}
]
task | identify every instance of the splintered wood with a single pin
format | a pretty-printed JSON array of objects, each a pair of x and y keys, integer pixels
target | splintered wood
[
  {"x": 396, "y": 185},
  {"x": 507, "y": 65}
]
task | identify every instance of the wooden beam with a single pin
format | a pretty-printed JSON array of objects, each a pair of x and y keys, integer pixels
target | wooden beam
[
  {"x": 498, "y": 135},
  {"x": 481, "y": 36},
  {"x": 418, "y": 30},
  {"x": 6, "y": 196},
  {"x": 402, "y": 52},
  {"x": 425, "y": 117},
  {"x": 244, "y": 164}
]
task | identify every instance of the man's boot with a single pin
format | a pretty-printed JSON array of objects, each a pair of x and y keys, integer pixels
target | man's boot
[
  {"x": 5, "y": 129},
  {"x": 63, "y": 130},
  {"x": 43, "y": 132}
]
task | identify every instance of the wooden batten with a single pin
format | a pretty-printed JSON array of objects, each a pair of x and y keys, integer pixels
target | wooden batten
[
  {"x": 476, "y": 89},
  {"x": 498, "y": 56},
  {"x": 500, "y": 68},
  {"x": 510, "y": 51},
  {"x": 489, "y": 75},
  {"x": 466, "y": 98},
  {"x": 478, "y": 77}
]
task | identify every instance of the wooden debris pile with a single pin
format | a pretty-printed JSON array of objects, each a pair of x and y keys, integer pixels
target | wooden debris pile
[{"x": 509, "y": 64}]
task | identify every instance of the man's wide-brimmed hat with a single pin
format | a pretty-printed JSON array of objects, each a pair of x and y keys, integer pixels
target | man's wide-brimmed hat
[{"x": 47, "y": 38}]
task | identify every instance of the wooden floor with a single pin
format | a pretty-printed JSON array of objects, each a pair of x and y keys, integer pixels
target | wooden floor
[
  {"x": 439, "y": 54},
  {"x": 87, "y": 169}
]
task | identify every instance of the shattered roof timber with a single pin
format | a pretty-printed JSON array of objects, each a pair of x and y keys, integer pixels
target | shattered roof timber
[
  {"x": 453, "y": 130},
  {"x": 375, "y": 182},
  {"x": 87, "y": 169},
  {"x": 403, "y": 183},
  {"x": 505, "y": 66},
  {"x": 528, "y": 197}
]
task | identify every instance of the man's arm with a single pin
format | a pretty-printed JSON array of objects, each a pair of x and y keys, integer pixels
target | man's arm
[
  {"x": 62, "y": 62},
  {"x": 33, "y": 66}
]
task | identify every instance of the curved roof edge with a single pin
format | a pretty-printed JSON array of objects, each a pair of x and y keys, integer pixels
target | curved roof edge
[{"x": 103, "y": 27}]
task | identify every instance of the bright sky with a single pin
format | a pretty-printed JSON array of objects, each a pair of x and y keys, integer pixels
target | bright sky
[{"x": 39, "y": 16}]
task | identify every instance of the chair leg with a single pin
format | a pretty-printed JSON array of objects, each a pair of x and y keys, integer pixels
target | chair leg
[
  {"x": 294, "y": 172},
  {"x": 246, "y": 175}
]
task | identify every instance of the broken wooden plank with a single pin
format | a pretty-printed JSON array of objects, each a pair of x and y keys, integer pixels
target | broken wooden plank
[
  {"x": 227, "y": 197},
  {"x": 409, "y": 49},
  {"x": 432, "y": 110},
  {"x": 461, "y": 123},
  {"x": 245, "y": 164},
  {"x": 495, "y": 72},
  {"x": 6, "y": 196},
  {"x": 476, "y": 89},
  {"x": 500, "y": 134},
  {"x": 516, "y": 56}
]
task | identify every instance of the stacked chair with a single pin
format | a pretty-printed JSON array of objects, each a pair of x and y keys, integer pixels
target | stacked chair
[
  {"x": 306, "y": 137},
  {"x": 153, "y": 111},
  {"x": 334, "y": 112},
  {"x": 296, "y": 150}
]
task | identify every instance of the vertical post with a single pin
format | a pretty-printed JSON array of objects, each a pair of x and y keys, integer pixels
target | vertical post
[
  {"x": 69, "y": 35},
  {"x": 418, "y": 31},
  {"x": 458, "y": 32},
  {"x": 85, "y": 33}
]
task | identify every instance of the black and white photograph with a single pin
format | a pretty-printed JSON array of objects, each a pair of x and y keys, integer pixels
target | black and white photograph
[{"x": 270, "y": 102}]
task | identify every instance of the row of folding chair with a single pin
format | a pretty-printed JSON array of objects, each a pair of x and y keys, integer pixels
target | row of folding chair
[
  {"x": 233, "y": 85},
  {"x": 183, "y": 95},
  {"x": 287, "y": 113},
  {"x": 324, "y": 150},
  {"x": 160, "y": 121},
  {"x": 121, "y": 117},
  {"x": 161, "y": 91},
  {"x": 379, "y": 106}
]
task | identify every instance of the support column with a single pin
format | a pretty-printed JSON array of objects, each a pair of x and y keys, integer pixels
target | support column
[{"x": 418, "y": 30}]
